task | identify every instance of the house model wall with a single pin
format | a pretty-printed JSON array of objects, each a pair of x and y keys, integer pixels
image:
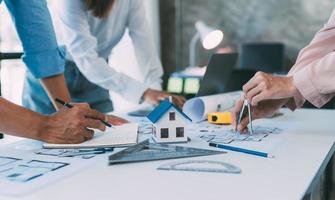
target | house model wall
[
  {"x": 170, "y": 127},
  {"x": 169, "y": 123}
]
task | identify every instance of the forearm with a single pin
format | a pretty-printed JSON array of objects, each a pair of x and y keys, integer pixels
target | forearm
[
  {"x": 55, "y": 86},
  {"x": 66, "y": 126},
  {"x": 144, "y": 46},
  {"x": 18, "y": 121}
]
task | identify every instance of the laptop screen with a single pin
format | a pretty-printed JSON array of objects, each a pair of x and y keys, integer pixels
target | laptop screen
[{"x": 217, "y": 76}]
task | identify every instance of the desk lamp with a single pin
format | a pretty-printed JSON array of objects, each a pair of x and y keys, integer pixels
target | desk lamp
[
  {"x": 187, "y": 83},
  {"x": 209, "y": 36}
]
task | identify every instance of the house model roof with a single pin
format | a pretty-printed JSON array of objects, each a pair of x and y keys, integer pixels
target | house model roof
[{"x": 161, "y": 109}]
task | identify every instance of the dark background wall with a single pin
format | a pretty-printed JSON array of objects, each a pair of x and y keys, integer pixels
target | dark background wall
[{"x": 293, "y": 22}]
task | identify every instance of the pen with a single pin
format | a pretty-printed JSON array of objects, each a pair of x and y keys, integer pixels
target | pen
[
  {"x": 237, "y": 149},
  {"x": 71, "y": 106}
]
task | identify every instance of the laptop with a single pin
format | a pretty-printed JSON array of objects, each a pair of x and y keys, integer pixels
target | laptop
[
  {"x": 221, "y": 76},
  {"x": 217, "y": 75}
]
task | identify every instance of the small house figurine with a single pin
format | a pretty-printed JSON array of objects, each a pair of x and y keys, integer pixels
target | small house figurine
[{"x": 169, "y": 123}]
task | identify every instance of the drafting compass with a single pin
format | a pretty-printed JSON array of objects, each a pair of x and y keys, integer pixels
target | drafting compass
[{"x": 246, "y": 108}]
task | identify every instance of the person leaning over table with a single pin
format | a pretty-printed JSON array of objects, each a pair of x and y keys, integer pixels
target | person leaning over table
[
  {"x": 91, "y": 29},
  {"x": 45, "y": 61},
  {"x": 312, "y": 78}
]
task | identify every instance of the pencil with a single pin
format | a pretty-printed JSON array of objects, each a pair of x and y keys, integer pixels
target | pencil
[
  {"x": 237, "y": 149},
  {"x": 71, "y": 106}
]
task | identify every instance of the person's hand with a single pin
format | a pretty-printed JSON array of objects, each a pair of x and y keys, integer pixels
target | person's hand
[
  {"x": 263, "y": 109},
  {"x": 114, "y": 120},
  {"x": 265, "y": 86},
  {"x": 72, "y": 125},
  {"x": 155, "y": 96}
]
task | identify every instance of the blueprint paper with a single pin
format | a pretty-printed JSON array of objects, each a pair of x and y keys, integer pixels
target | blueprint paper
[
  {"x": 267, "y": 137},
  {"x": 197, "y": 108},
  {"x": 229, "y": 136},
  {"x": 23, "y": 171}
]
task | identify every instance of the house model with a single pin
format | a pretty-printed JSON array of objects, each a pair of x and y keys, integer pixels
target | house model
[{"x": 169, "y": 123}]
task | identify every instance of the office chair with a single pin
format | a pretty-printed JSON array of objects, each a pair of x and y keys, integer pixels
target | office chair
[{"x": 266, "y": 57}]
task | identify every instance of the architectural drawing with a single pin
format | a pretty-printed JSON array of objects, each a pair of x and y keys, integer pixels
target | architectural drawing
[{"x": 17, "y": 170}]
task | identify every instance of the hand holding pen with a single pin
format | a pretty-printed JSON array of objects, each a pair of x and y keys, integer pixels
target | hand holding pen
[
  {"x": 70, "y": 106},
  {"x": 71, "y": 126}
]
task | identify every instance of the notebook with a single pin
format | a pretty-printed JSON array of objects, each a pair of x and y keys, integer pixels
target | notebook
[{"x": 116, "y": 136}]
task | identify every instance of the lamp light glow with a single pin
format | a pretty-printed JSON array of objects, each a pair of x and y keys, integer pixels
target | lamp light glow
[{"x": 210, "y": 37}]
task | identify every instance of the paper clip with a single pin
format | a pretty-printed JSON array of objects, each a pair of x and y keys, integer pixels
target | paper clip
[{"x": 246, "y": 104}]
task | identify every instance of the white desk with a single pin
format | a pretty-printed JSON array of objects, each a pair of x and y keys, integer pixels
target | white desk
[{"x": 307, "y": 146}]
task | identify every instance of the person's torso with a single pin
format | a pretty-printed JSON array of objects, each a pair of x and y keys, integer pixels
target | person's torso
[{"x": 107, "y": 31}]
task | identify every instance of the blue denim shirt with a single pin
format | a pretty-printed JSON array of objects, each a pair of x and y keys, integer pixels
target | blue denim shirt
[{"x": 33, "y": 23}]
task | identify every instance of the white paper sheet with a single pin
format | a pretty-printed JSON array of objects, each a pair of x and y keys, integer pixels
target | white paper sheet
[
  {"x": 198, "y": 107},
  {"x": 116, "y": 136}
]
